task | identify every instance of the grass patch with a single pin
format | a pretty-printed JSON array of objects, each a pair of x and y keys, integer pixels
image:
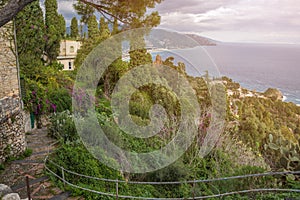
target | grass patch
[
  {"x": 25, "y": 154},
  {"x": 28, "y": 133},
  {"x": 2, "y": 167}
]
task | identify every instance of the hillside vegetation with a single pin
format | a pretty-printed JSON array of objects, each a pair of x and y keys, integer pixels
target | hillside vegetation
[{"x": 261, "y": 134}]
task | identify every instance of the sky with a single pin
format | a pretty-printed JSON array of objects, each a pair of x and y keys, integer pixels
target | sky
[{"x": 256, "y": 21}]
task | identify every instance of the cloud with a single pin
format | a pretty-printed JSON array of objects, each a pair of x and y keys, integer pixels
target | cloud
[
  {"x": 224, "y": 20},
  {"x": 255, "y": 20},
  {"x": 65, "y": 7},
  {"x": 191, "y": 6}
]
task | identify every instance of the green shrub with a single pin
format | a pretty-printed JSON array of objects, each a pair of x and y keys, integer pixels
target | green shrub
[
  {"x": 62, "y": 127},
  {"x": 60, "y": 98}
]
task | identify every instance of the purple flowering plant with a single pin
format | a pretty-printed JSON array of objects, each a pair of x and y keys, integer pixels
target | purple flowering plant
[{"x": 37, "y": 102}]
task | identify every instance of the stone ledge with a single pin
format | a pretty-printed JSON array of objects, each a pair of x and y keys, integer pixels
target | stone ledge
[{"x": 4, "y": 189}]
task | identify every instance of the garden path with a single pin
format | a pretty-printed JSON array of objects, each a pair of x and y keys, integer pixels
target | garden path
[{"x": 15, "y": 172}]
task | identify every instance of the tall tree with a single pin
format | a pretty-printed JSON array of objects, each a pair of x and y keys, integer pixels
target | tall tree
[
  {"x": 74, "y": 28},
  {"x": 89, "y": 43},
  {"x": 93, "y": 30},
  {"x": 125, "y": 11},
  {"x": 30, "y": 32},
  {"x": 62, "y": 28},
  {"x": 85, "y": 10},
  {"x": 104, "y": 29},
  {"x": 131, "y": 13},
  {"x": 115, "y": 29},
  {"x": 54, "y": 30}
]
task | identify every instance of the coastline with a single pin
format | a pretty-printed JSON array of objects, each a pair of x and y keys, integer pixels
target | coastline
[
  {"x": 287, "y": 96},
  {"x": 284, "y": 98},
  {"x": 248, "y": 91}
]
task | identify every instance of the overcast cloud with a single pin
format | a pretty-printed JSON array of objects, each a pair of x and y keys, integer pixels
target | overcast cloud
[
  {"x": 275, "y": 21},
  {"x": 235, "y": 20}
]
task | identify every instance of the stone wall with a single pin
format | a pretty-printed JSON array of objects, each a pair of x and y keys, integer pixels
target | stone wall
[
  {"x": 12, "y": 136},
  {"x": 8, "y": 71},
  {"x": 12, "y": 133}
]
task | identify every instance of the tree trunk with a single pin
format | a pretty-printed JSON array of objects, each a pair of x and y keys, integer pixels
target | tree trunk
[{"x": 11, "y": 9}]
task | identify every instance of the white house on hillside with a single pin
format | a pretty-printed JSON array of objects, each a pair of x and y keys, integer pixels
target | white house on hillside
[{"x": 68, "y": 52}]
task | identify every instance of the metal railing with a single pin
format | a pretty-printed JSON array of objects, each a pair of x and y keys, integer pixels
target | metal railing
[{"x": 193, "y": 182}]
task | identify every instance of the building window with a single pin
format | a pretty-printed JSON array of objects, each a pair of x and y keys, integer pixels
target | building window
[
  {"x": 72, "y": 49},
  {"x": 70, "y": 65}
]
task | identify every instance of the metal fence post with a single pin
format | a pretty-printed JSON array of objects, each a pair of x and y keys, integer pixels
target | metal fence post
[
  {"x": 28, "y": 188},
  {"x": 194, "y": 183},
  {"x": 117, "y": 189},
  {"x": 63, "y": 176}
]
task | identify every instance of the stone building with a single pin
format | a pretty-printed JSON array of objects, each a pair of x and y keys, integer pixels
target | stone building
[
  {"x": 68, "y": 52},
  {"x": 12, "y": 131}
]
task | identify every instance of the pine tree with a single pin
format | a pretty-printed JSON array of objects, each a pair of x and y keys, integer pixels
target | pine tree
[
  {"x": 74, "y": 28},
  {"x": 31, "y": 39},
  {"x": 132, "y": 13},
  {"x": 85, "y": 10},
  {"x": 53, "y": 28}
]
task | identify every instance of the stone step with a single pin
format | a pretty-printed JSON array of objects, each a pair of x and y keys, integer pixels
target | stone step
[
  {"x": 38, "y": 145},
  {"x": 31, "y": 182},
  {"x": 27, "y": 161},
  {"x": 41, "y": 152},
  {"x": 61, "y": 196},
  {"x": 48, "y": 142},
  {"x": 38, "y": 148}
]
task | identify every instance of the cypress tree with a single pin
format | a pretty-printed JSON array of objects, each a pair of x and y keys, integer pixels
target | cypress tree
[
  {"x": 62, "y": 26},
  {"x": 115, "y": 27},
  {"x": 104, "y": 30},
  {"x": 74, "y": 28},
  {"x": 93, "y": 30},
  {"x": 31, "y": 39},
  {"x": 54, "y": 29},
  {"x": 51, "y": 14}
]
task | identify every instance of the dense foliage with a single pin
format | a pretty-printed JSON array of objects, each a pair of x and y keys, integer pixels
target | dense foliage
[
  {"x": 96, "y": 35},
  {"x": 55, "y": 27},
  {"x": 269, "y": 126},
  {"x": 261, "y": 134},
  {"x": 47, "y": 88},
  {"x": 131, "y": 14},
  {"x": 31, "y": 40},
  {"x": 219, "y": 163}
]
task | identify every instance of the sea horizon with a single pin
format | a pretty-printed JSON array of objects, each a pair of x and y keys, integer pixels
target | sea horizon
[{"x": 261, "y": 66}]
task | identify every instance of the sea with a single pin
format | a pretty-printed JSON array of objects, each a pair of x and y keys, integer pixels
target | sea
[{"x": 255, "y": 66}]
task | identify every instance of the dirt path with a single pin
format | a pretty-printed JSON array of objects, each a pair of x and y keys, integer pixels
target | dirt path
[{"x": 15, "y": 172}]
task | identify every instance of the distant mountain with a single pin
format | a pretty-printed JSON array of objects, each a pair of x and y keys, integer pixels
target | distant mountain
[{"x": 203, "y": 41}]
